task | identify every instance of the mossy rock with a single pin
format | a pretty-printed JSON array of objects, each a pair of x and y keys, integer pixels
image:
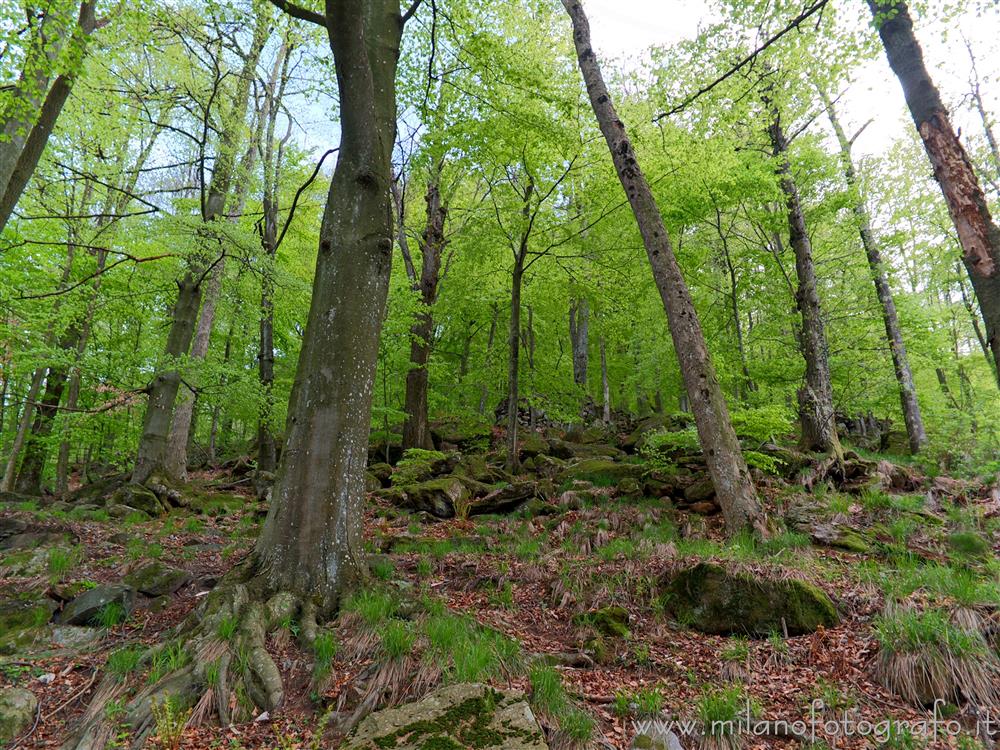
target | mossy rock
[
  {"x": 157, "y": 579},
  {"x": 710, "y": 599},
  {"x": 437, "y": 496},
  {"x": 24, "y": 622},
  {"x": 610, "y": 621},
  {"x": 139, "y": 497},
  {"x": 468, "y": 437},
  {"x": 465, "y": 716},
  {"x": 568, "y": 451},
  {"x": 17, "y": 712},
  {"x": 600, "y": 471},
  {"x": 381, "y": 471},
  {"x": 87, "y": 608},
  {"x": 532, "y": 444}
]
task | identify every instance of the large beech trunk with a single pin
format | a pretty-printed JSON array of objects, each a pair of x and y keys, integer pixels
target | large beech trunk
[
  {"x": 900, "y": 362},
  {"x": 310, "y": 543},
  {"x": 977, "y": 233},
  {"x": 719, "y": 444},
  {"x": 816, "y": 412},
  {"x": 416, "y": 428}
]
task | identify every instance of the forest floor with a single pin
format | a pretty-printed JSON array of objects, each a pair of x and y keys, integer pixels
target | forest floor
[{"x": 530, "y": 577}]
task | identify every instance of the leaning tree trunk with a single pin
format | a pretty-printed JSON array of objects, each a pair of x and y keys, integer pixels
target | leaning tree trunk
[
  {"x": 10, "y": 468},
  {"x": 977, "y": 233},
  {"x": 416, "y": 428},
  {"x": 605, "y": 387},
  {"x": 27, "y": 158},
  {"x": 719, "y": 444},
  {"x": 900, "y": 362},
  {"x": 816, "y": 411},
  {"x": 310, "y": 544}
]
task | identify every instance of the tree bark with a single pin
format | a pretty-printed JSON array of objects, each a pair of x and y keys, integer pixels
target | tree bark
[
  {"x": 310, "y": 543},
  {"x": 23, "y": 165},
  {"x": 900, "y": 362},
  {"x": 579, "y": 324},
  {"x": 10, "y": 469},
  {"x": 977, "y": 233},
  {"x": 605, "y": 388},
  {"x": 484, "y": 392},
  {"x": 514, "y": 364},
  {"x": 816, "y": 411},
  {"x": 416, "y": 427},
  {"x": 719, "y": 443},
  {"x": 153, "y": 455}
]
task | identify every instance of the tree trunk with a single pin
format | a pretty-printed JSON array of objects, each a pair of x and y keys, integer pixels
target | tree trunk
[
  {"x": 900, "y": 362},
  {"x": 12, "y": 184},
  {"x": 484, "y": 392},
  {"x": 416, "y": 428},
  {"x": 153, "y": 455},
  {"x": 977, "y": 233},
  {"x": 10, "y": 470},
  {"x": 579, "y": 323},
  {"x": 310, "y": 543},
  {"x": 719, "y": 444},
  {"x": 513, "y": 364},
  {"x": 605, "y": 388},
  {"x": 816, "y": 411}
]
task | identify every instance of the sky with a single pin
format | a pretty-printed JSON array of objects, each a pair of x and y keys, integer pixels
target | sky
[{"x": 623, "y": 29}]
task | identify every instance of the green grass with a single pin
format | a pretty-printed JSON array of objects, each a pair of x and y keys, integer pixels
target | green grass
[
  {"x": 736, "y": 649},
  {"x": 61, "y": 560},
  {"x": 468, "y": 651},
  {"x": 549, "y": 697},
  {"x": 324, "y": 649},
  {"x": 720, "y": 709},
  {"x": 373, "y": 606},
  {"x": 111, "y": 614},
  {"x": 397, "y": 639},
  {"x": 124, "y": 661},
  {"x": 383, "y": 569},
  {"x": 168, "y": 659},
  {"x": 227, "y": 628},
  {"x": 912, "y": 631}
]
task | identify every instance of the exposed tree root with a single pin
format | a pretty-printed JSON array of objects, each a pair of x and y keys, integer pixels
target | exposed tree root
[{"x": 220, "y": 667}]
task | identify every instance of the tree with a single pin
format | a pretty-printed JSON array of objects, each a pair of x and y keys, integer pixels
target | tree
[
  {"x": 897, "y": 347},
  {"x": 978, "y": 235},
  {"x": 718, "y": 440}
]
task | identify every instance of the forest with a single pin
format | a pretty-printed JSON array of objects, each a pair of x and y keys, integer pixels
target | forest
[{"x": 543, "y": 374}]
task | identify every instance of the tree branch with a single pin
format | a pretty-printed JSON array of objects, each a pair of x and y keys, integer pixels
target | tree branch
[{"x": 297, "y": 11}]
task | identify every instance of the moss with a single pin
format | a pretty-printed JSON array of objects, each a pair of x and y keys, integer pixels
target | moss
[
  {"x": 712, "y": 600},
  {"x": 601, "y": 471},
  {"x": 469, "y": 722},
  {"x": 611, "y": 621}
]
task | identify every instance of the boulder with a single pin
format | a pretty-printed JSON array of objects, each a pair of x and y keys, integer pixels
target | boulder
[
  {"x": 27, "y": 562},
  {"x": 139, "y": 497},
  {"x": 611, "y": 621},
  {"x": 99, "y": 490},
  {"x": 532, "y": 444},
  {"x": 381, "y": 471},
  {"x": 600, "y": 471},
  {"x": 157, "y": 579},
  {"x": 17, "y": 712},
  {"x": 654, "y": 735},
  {"x": 24, "y": 622},
  {"x": 470, "y": 438},
  {"x": 712, "y": 600},
  {"x": 85, "y": 608},
  {"x": 372, "y": 483},
  {"x": 504, "y": 499},
  {"x": 465, "y": 715},
  {"x": 75, "y": 636},
  {"x": 566, "y": 450},
  {"x": 700, "y": 490},
  {"x": 437, "y": 496}
]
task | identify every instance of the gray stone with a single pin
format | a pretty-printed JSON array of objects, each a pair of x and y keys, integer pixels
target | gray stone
[
  {"x": 157, "y": 579},
  {"x": 85, "y": 608},
  {"x": 74, "y": 636},
  {"x": 458, "y": 716},
  {"x": 654, "y": 735},
  {"x": 17, "y": 712}
]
